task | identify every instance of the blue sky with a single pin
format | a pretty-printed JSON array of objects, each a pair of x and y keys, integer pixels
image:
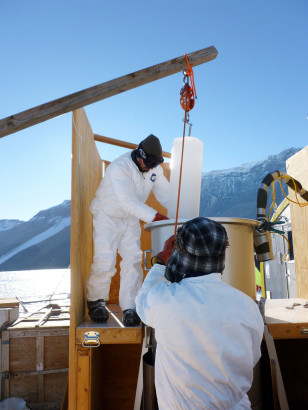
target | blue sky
[{"x": 252, "y": 99}]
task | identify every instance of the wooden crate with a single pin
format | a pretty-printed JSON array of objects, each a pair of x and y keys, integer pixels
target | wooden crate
[{"x": 34, "y": 362}]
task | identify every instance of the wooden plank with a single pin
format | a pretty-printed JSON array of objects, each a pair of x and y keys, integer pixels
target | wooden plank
[
  {"x": 40, "y": 366},
  {"x": 5, "y": 364},
  {"x": 123, "y": 144},
  {"x": 99, "y": 92},
  {"x": 36, "y": 373},
  {"x": 1, "y": 366},
  {"x": 9, "y": 302},
  {"x": 286, "y": 318},
  {"x": 288, "y": 331},
  {"x": 297, "y": 168},
  {"x": 86, "y": 176},
  {"x": 107, "y": 335},
  {"x": 15, "y": 334},
  {"x": 83, "y": 386}
]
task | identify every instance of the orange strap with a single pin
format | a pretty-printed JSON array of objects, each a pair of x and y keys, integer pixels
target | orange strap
[{"x": 190, "y": 72}]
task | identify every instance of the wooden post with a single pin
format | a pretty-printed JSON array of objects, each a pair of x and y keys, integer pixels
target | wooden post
[
  {"x": 124, "y": 144},
  {"x": 99, "y": 92},
  {"x": 297, "y": 168},
  {"x": 5, "y": 364},
  {"x": 40, "y": 366},
  {"x": 83, "y": 387}
]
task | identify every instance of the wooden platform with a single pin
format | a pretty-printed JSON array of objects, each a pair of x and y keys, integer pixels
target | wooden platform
[
  {"x": 111, "y": 332},
  {"x": 287, "y": 318}
]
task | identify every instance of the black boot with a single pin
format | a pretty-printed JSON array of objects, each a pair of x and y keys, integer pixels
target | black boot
[
  {"x": 130, "y": 317},
  {"x": 98, "y": 311}
]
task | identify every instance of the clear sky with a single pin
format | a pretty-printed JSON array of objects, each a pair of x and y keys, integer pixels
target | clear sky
[{"x": 252, "y": 99}]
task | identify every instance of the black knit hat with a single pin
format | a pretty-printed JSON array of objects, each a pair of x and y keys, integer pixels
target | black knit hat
[
  {"x": 199, "y": 250},
  {"x": 150, "y": 151}
]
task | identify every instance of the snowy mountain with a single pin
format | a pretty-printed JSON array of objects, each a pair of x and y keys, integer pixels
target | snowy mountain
[
  {"x": 233, "y": 192},
  {"x": 43, "y": 242}
]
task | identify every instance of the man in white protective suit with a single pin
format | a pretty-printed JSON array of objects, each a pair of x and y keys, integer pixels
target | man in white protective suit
[
  {"x": 118, "y": 205},
  {"x": 208, "y": 333}
]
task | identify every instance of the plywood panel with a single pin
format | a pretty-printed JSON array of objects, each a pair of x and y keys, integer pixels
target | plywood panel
[
  {"x": 24, "y": 387},
  {"x": 86, "y": 175},
  {"x": 23, "y": 354},
  {"x": 297, "y": 167},
  {"x": 116, "y": 368},
  {"x": 56, "y": 352}
]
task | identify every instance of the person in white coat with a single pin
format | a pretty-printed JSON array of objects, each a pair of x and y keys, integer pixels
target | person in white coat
[
  {"x": 118, "y": 205},
  {"x": 208, "y": 333}
]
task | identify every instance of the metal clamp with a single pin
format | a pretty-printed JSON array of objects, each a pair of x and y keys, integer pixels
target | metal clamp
[
  {"x": 148, "y": 334},
  {"x": 145, "y": 257},
  {"x": 91, "y": 339}
]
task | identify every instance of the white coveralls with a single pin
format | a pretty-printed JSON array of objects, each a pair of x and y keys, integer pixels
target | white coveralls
[
  {"x": 117, "y": 207},
  {"x": 208, "y": 341}
]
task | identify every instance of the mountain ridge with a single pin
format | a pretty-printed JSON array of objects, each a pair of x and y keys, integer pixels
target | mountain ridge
[{"x": 43, "y": 242}]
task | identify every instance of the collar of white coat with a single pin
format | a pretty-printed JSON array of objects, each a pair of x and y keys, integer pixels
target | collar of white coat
[{"x": 210, "y": 277}]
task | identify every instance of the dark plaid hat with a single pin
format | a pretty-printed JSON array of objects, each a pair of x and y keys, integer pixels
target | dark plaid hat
[{"x": 199, "y": 250}]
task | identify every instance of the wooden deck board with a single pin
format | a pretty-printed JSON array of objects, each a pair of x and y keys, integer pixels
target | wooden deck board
[
  {"x": 287, "y": 318},
  {"x": 111, "y": 332}
]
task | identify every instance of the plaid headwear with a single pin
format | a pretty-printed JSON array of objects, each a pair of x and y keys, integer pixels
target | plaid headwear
[{"x": 199, "y": 250}]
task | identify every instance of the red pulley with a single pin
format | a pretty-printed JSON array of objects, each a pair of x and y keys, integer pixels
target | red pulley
[{"x": 187, "y": 99}]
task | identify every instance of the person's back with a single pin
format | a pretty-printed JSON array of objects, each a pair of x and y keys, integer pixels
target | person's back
[
  {"x": 208, "y": 336},
  {"x": 208, "y": 342}
]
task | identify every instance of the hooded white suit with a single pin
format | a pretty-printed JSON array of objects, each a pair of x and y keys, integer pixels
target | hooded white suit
[
  {"x": 208, "y": 341},
  {"x": 118, "y": 205}
]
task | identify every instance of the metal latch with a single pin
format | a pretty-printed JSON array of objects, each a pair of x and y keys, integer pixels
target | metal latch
[
  {"x": 305, "y": 330},
  {"x": 145, "y": 257},
  {"x": 5, "y": 375},
  {"x": 91, "y": 339}
]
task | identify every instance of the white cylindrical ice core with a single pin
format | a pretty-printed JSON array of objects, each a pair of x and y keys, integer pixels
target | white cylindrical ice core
[{"x": 191, "y": 178}]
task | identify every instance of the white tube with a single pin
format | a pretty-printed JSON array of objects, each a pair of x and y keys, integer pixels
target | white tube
[{"x": 190, "y": 180}]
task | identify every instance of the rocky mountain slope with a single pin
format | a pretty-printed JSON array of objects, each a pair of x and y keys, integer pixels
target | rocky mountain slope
[{"x": 43, "y": 242}]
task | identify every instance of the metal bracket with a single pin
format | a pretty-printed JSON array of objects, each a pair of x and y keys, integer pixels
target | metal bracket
[
  {"x": 5, "y": 375},
  {"x": 91, "y": 339}
]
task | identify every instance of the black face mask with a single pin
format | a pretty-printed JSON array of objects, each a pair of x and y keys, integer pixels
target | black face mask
[{"x": 152, "y": 162}]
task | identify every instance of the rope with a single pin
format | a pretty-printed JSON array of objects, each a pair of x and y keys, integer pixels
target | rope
[
  {"x": 180, "y": 178},
  {"x": 190, "y": 74}
]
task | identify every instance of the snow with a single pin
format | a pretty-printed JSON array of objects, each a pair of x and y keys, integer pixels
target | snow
[
  {"x": 63, "y": 223},
  {"x": 6, "y": 224}
]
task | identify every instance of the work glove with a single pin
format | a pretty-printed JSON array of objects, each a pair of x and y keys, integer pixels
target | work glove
[
  {"x": 163, "y": 256},
  {"x": 159, "y": 217}
]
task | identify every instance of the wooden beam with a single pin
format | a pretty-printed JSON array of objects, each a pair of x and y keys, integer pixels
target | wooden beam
[
  {"x": 123, "y": 144},
  {"x": 99, "y": 92}
]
